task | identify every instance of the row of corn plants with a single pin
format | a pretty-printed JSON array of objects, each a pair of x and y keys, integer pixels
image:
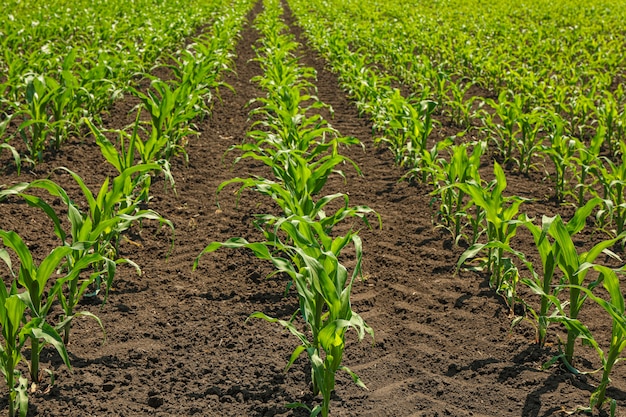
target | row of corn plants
[
  {"x": 478, "y": 211},
  {"x": 85, "y": 262},
  {"x": 302, "y": 151},
  {"x": 53, "y": 83}
]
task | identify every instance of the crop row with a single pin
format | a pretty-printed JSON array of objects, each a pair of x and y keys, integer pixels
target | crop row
[
  {"x": 302, "y": 150},
  {"x": 85, "y": 262},
  {"x": 523, "y": 123}
]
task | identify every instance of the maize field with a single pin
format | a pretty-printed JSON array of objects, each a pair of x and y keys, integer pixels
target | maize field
[{"x": 312, "y": 208}]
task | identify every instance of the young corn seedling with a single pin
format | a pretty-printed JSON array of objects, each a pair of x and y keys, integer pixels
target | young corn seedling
[
  {"x": 99, "y": 86},
  {"x": 549, "y": 251},
  {"x": 615, "y": 308},
  {"x": 67, "y": 102},
  {"x": 171, "y": 112},
  {"x": 197, "y": 74},
  {"x": 530, "y": 141},
  {"x": 323, "y": 287},
  {"x": 608, "y": 118},
  {"x": 124, "y": 158},
  {"x": 612, "y": 178},
  {"x": 460, "y": 109},
  {"x": 199, "y": 69},
  {"x": 15, "y": 335},
  {"x": 459, "y": 169},
  {"x": 582, "y": 107},
  {"x": 425, "y": 166},
  {"x": 407, "y": 126},
  {"x": 506, "y": 128},
  {"x": 34, "y": 279},
  {"x": 586, "y": 161},
  {"x": 501, "y": 227},
  {"x": 575, "y": 267},
  {"x": 560, "y": 151},
  {"x": 37, "y": 124}
]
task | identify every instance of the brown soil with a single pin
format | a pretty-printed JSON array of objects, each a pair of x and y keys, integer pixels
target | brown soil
[{"x": 178, "y": 343}]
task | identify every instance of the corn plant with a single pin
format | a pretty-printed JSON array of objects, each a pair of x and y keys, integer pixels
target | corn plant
[
  {"x": 37, "y": 124},
  {"x": 549, "y": 251},
  {"x": 501, "y": 227},
  {"x": 405, "y": 125},
  {"x": 608, "y": 117},
  {"x": 171, "y": 112},
  {"x": 15, "y": 336},
  {"x": 323, "y": 287},
  {"x": 615, "y": 308},
  {"x": 582, "y": 106},
  {"x": 560, "y": 151},
  {"x": 575, "y": 267},
  {"x": 196, "y": 75},
  {"x": 122, "y": 156},
  {"x": 460, "y": 108},
  {"x": 506, "y": 128},
  {"x": 34, "y": 280},
  {"x": 586, "y": 163},
  {"x": 612, "y": 177},
  {"x": 68, "y": 100},
  {"x": 199, "y": 67},
  {"x": 99, "y": 85},
  {"x": 17, "y": 328},
  {"x": 459, "y": 169},
  {"x": 530, "y": 141}
]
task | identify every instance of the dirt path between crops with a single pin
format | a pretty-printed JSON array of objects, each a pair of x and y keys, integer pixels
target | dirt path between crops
[{"x": 178, "y": 343}]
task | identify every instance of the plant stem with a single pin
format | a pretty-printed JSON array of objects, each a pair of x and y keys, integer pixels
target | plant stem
[
  {"x": 572, "y": 335},
  {"x": 11, "y": 383},
  {"x": 604, "y": 383},
  {"x": 34, "y": 359}
]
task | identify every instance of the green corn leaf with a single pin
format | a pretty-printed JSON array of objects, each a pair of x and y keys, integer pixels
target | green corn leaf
[
  {"x": 42, "y": 330},
  {"x": 15, "y": 242},
  {"x": 4, "y": 256},
  {"x": 568, "y": 259},
  {"x": 469, "y": 253},
  {"x": 50, "y": 264},
  {"x": 577, "y": 222},
  {"x": 109, "y": 151},
  {"x": 295, "y": 355},
  {"x": 331, "y": 335},
  {"x": 288, "y": 325},
  {"x": 91, "y": 201},
  {"x": 355, "y": 377}
]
